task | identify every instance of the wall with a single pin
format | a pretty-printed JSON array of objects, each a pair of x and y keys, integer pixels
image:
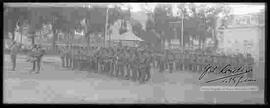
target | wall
[
  {"x": 241, "y": 40},
  {"x": 245, "y": 34}
]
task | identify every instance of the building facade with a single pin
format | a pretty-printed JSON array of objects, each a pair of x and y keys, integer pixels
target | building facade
[{"x": 245, "y": 34}]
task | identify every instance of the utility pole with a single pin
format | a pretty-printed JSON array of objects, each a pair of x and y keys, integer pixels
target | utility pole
[
  {"x": 107, "y": 19},
  {"x": 106, "y": 26},
  {"x": 182, "y": 31}
]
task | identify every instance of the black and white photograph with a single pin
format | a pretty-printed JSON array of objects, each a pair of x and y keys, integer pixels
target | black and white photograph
[{"x": 134, "y": 53}]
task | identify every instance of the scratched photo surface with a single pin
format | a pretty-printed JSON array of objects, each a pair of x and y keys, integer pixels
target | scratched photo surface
[{"x": 133, "y": 53}]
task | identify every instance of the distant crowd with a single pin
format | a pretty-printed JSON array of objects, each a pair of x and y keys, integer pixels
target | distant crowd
[{"x": 135, "y": 64}]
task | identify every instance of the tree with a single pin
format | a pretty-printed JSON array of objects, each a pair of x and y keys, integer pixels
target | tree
[
  {"x": 13, "y": 16},
  {"x": 162, "y": 15},
  {"x": 200, "y": 20},
  {"x": 65, "y": 19},
  {"x": 137, "y": 28}
]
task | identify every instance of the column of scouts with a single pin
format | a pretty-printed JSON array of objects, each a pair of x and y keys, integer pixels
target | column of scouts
[{"x": 135, "y": 64}]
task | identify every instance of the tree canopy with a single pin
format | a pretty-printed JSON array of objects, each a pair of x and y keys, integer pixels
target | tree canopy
[{"x": 199, "y": 20}]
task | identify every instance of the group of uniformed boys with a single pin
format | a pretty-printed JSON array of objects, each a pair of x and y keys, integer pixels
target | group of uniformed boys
[
  {"x": 34, "y": 56},
  {"x": 136, "y": 63},
  {"x": 121, "y": 62},
  {"x": 197, "y": 61}
]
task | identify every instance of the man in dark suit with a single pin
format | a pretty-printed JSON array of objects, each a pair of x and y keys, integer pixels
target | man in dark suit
[
  {"x": 37, "y": 54},
  {"x": 14, "y": 49}
]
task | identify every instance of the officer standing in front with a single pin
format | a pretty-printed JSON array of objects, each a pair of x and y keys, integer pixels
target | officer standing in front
[
  {"x": 38, "y": 54},
  {"x": 14, "y": 48},
  {"x": 170, "y": 61}
]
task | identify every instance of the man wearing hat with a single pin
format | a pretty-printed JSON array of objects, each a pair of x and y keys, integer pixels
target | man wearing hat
[
  {"x": 147, "y": 69},
  {"x": 170, "y": 61},
  {"x": 69, "y": 56},
  {"x": 142, "y": 59},
  {"x": 38, "y": 53},
  {"x": 14, "y": 48},
  {"x": 134, "y": 66},
  {"x": 62, "y": 55},
  {"x": 161, "y": 62}
]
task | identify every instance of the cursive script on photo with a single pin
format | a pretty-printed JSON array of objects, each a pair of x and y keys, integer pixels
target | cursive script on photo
[{"x": 230, "y": 74}]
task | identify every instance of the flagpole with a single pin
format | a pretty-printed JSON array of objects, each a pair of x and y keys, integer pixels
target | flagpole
[
  {"x": 106, "y": 26},
  {"x": 182, "y": 31}
]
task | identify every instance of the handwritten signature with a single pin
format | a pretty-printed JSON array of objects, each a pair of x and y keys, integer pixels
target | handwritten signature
[{"x": 230, "y": 74}]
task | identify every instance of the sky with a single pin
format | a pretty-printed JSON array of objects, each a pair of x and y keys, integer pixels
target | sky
[
  {"x": 237, "y": 9},
  {"x": 245, "y": 9}
]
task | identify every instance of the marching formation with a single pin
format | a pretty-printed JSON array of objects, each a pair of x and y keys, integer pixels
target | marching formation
[
  {"x": 121, "y": 62},
  {"x": 135, "y": 64}
]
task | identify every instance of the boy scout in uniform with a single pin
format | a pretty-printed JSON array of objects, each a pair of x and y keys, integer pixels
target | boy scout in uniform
[
  {"x": 82, "y": 58},
  {"x": 203, "y": 62},
  {"x": 221, "y": 61},
  {"x": 199, "y": 63},
  {"x": 196, "y": 62},
  {"x": 177, "y": 62},
  {"x": 181, "y": 62},
  {"x": 128, "y": 64},
  {"x": 112, "y": 62},
  {"x": 192, "y": 63},
  {"x": 120, "y": 64},
  {"x": 142, "y": 67},
  {"x": 161, "y": 63},
  {"x": 147, "y": 74},
  {"x": 234, "y": 61},
  {"x": 102, "y": 60},
  {"x": 88, "y": 59},
  {"x": 95, "y": 61},
  {"x": 170, "y": 61},
  {"x": 66, "y": 56},
  {"x": 107, "y": 59},
  {"x": 186, "y": 62},
  {"x": 76, "y": 58},
  {"x": 215, "y": 60},
  {"x": 69, "y": 56},
  {"x": 72, "y": 60},
  {"x": 250, "y": 65},
  {"x": 134, "y": 66},
  {"x": 99, "y": 60},
  {"x": 37, "y": 52},
  {"x": 62, "y": 56}
]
